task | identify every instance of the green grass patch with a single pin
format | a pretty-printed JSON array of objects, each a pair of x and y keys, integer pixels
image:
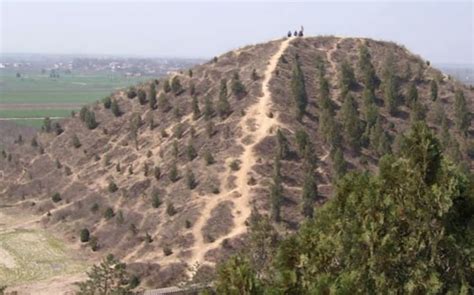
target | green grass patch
[
  {"x": 70, "y": 89},
  {"x": 37, "y": 123},
  {"x": 33, "y": 255},
  {"x": 38, "y": 113},
  {"x": 79, "y": 89}
]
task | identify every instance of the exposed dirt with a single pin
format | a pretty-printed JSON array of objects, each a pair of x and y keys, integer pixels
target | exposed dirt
[
  {"x": 140, "y": 158},
  {"x": 33, "y": 261},
  {"x": 260, "y": 128}
]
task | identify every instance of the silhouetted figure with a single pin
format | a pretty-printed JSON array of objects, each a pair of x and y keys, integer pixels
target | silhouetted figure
[
  {"x": 295, "y": 34},
  {"x": 301, "y": 32},
  {"x": 289, "y": 34}
]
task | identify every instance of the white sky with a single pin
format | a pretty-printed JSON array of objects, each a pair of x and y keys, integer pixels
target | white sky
[{"x": 439, "y": 31}]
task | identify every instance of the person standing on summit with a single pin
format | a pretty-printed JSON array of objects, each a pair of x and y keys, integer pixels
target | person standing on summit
[{"x": 299, "y": 33}]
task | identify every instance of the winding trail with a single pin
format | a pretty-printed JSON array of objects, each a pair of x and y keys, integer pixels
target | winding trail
[
  {"x": 329, "y": 54},
  {"x": 255, "y": 124}
]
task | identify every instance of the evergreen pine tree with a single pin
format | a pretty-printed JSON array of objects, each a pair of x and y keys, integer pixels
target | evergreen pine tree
[
  {"x": 237, "y": 88},
  {"x": 324, "y": 94},
  {"x": 75, "y": 141},
  {"x": 339, "y": 164},
  {"x": 418, "y": 112},
  {"x": 109, "y": 277},
  {"x": 384, "y": 144},
  {"x": 190, "y": 179},
  {"x": 376, "y": 135},
  {"x": 390, "y": 86},
  {"x": 173, "y": 174},
  {"x": 223, "y": 106},
  {"x": 310, "y": 159},
  {"x": 310, "y": 193},
  {"x": 155, "y": 199},
  {"x": 163, "y": 103},
  {"x": 152, "y": 97},
  {"x": 82, "y": 113},
  {"x": 412, "y": 96},
  {"x": 434, "y": 90},
  {"x": 91, "y": 123},
  {"x": 141, "y": 96},
  {"x": 320, "y": 66},
  {"x": 208, "y": 108},
  {"x": 47, "y": 125},
  {"x": 107, "y": 101},
  {"x": 56, "y": 127},
  {"x": 34, "y": 142},
  {"x": 370, "y": 108},
  {"x": 196, "y": 110},
  {"x": 298, "y": 90},
  {"x": 254, "y": 75},
  {"x": 210, "y": 128},
  {"x": 454, "y": 151},
  {"x": 351, "y": 123},
  {"x": 176, "y": 85},
  {"x": 191, "y": 151},
  {"x": 85, "y": 235},
  {"x": 462, "y": 116},
  {"x": 276, "y": 190},
  {"x": 445, "y": 136},
  {"x": 157, "y": 172},
  {"x": 208, "y": 158},
  {"x": 302, "y": 139},
  {"x": 131, "y": 93},
  {"x": 369, "y": 78},
  {"x": 192, "y": 89},
  {"x": 115, "y": 108},
  {"x": 330, "y": 129},
  {"x": 310, "y": 189},
  {"x": 282, "y": 141},
  {"x": 346, "y": 78},
  {"x": 166, "y": 86},
  {"x": 438, "y": 111}
]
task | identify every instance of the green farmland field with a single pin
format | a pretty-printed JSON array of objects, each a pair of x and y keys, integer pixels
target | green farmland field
[
  {"x": 32, "y": 97},
  {"x": 28, "y": 255},
  {"x": 34, "y": 113}
]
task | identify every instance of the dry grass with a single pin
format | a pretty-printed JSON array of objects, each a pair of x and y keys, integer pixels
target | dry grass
[{"x": 246, "y": 135}]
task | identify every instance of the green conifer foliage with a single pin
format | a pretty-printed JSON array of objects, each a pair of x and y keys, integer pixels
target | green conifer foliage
[{"x": 298, "y": 90}]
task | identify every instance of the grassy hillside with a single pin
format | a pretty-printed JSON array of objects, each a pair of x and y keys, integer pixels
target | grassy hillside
[{"x": 168, "y": 174}]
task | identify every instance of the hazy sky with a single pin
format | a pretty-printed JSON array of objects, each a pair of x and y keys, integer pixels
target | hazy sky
[{"x": 439, "y": 31}]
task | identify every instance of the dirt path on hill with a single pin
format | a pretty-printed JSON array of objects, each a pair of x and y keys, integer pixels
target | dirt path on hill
[
  {"x": 256, "y": 115},
  {"x": 331, "y": 61}
]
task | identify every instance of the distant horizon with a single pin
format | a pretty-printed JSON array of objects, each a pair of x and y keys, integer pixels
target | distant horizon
[
  {"x": 118, "y": 55},
  {"x": 441, "y": 32}
]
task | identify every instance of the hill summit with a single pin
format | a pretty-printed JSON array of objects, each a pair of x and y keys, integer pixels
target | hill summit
[{"x": 167, "y": 175}]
